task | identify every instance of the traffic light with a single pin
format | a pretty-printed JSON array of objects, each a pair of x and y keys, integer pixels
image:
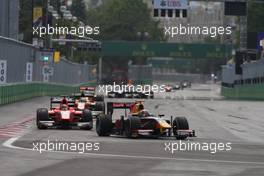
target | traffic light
[
  {"x": 46, "y": 55},
  {"x": 45, "y": 58}
]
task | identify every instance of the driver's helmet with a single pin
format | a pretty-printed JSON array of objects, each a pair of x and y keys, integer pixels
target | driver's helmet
[
  {"x": 140, "y": 107},
  {"x": 64, "y": 107},
  {"x": 137, "y": 107},
  {"x": 64, "y": 100},
  {"x": 144, "y": 113}
]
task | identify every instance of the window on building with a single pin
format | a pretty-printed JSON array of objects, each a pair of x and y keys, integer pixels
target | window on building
[
  {"x": 163, "y": 13},
  {"x": 184, "y": 13},
  {"x": 177, "y": 13},
  {"x": 156, "y": 13},
  {"x": 170, "y": 13}
]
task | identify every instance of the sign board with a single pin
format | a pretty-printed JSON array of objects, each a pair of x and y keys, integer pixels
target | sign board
[
  {"x": 45, "y": 78},
  {"x": 164, "y": 49},
  {"x": 47, "y": 70},
  {"x": 170, "y": 4},
  {"x": 62, "y": 42},
  {"x": 29, "y": 71},
  {"x": 37, "y": 16},
  {"x": 3, "y": 70}
]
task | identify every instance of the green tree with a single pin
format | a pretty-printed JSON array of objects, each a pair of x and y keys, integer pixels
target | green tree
[
  {"x": 256, "y": 16},
  {"x": 78, "y": 9},
  {"x": 25, "y": 20},
  {"x": 122, "y": 20}
]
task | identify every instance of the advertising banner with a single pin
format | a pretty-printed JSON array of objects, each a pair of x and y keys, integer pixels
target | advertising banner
[{"x": 170, "y": 4}]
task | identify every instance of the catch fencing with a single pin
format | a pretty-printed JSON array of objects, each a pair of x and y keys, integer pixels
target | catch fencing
[
  {"x": 140, "y": 74},
  {"x": 20, "y": 63},
  {"x": 22, "y": 73}
]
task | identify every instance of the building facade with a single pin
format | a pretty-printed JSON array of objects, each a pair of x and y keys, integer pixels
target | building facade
[
  {"x": 199, "y": 14},
  {"x": 9, "y": 18}
]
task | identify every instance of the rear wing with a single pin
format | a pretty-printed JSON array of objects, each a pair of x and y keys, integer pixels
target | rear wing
[
  {"x": 118, "y": 105},
  {"x": 87, "y": 88},
  {"x": 58, "y": 100}
]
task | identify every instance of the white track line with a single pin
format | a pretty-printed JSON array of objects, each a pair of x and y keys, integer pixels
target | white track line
[{"x": 9, "y": 144}]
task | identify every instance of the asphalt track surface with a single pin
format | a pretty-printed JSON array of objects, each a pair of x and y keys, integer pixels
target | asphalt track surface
[{"x": 239, "y": 123}]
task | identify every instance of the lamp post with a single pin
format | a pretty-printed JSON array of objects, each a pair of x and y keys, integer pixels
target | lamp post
[{"x": 143, "y": 35}]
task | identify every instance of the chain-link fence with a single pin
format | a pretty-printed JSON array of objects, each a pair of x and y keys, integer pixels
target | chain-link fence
[
  {"x": 24, "y": 75},
  {"x": 140, "y": 74},
  {"x": 19, "y": 63}
]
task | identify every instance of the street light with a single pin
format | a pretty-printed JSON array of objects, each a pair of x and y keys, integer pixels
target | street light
[
  {"x": 69, "y": 3},
  {"x": 74, "y": 19},
  {"x": 81, "y": 24},
  {"x": 143, "y": 35},
  {"x": 50, "y": 8},
  {"x": 63, "y": 9}
]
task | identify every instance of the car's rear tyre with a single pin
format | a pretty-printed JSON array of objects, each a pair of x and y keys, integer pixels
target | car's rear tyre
[
  {"x": 180, "y": 123},
  {"x": 104, "y": 125},
  {"x": 42, "y": 115},
  {"x": 132, "y": 124},
  {"x": 87, "y": 117}
]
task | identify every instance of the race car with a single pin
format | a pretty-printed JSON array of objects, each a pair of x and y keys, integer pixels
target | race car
[
  {"x": 168, "y": 88},
  {"x": 131, "y": 94},
  {"x": 186, "y": 84},
  {"x": 63, "y": 114},
  {"x": 177, "y": 87},
  {"x": 113, "y": 94},
  {"x": 88, "y": 90},
  {"x": 143, "y": 94},
  {"x": 83, "y": 102},
  {"x": 139, "y": 122}
]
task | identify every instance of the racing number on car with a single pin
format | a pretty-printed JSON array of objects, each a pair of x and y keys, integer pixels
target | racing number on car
[{"x": 3, "y": 69}]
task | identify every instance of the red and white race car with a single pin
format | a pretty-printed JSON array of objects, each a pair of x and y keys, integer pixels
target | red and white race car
[
  {"x": 168, "y": 88},
  {"x": 95, "y": 107},
  {"x": 63, "y": 115}
]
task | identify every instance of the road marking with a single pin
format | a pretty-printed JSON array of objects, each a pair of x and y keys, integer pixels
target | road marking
[
  {"x": 9, "y": 143},
  {"x": 15, "y": 128}
]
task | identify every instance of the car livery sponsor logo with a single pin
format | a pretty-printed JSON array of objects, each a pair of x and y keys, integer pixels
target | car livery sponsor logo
[
  {"x": 81, "y": 105},
  {"x": 65, "y": 114}
]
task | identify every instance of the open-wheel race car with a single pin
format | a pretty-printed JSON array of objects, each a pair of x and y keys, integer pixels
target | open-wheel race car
[
  {"x": 88, "y": 90},
  {"x": 139, "y": 122},
  {"x": 131, "y": 94},
  {"x": 94, "y": 103},
  {"x": 62, "y": 113}
]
